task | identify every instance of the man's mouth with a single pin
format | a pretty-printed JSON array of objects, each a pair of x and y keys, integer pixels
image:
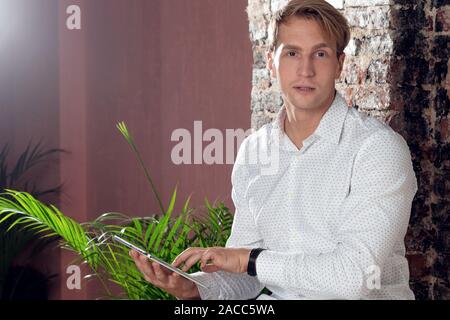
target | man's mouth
[{"x": 304, "y": 88}]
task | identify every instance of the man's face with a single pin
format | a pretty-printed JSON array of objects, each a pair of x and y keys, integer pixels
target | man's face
[{"x": 305, "y": 64}]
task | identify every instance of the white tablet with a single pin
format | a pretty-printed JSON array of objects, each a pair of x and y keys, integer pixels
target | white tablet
[{"x": 161, "y": 262}]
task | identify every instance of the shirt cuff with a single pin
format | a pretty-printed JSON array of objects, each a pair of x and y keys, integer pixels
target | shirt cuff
[
  {"x": 213, "y": 291},
  {"x": 271, "y": 267}
]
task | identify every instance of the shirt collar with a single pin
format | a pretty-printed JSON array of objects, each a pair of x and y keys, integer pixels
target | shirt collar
[{"x": 329, "y": 128}]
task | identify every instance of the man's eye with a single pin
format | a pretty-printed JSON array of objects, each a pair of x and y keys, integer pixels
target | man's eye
[
  {"x": 321, "y": 54},
  {"x": 292, "y": 54}
]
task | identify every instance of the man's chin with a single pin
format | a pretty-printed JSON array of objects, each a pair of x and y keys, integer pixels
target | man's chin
[
  {"x": 303, "y": 107},
  {"x": 304, "y": 103}
]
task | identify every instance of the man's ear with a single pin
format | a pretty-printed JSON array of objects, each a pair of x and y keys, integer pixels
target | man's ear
[
  {"x": 270, "y": 63},
  {"x": 341, "y": 60}
]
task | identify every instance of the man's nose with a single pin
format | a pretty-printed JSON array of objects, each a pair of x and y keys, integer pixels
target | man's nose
[{"x": 305, "y": 68}]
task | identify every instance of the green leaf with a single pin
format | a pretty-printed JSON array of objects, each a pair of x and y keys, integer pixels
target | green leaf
[{"x": 124, "y": 131}]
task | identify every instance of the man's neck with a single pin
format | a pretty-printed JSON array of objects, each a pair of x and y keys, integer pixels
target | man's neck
[{"x": 300, "y": 124}]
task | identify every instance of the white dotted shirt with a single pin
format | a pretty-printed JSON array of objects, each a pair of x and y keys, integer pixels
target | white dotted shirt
[{"x": 332, "y": 215}]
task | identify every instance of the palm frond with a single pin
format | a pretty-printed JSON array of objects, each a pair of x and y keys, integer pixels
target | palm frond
[
  {"x": 15, "y": 241},
  {"x": 124, "y": 131},
  {"x": 215, "y": 228},
  {"x": 28, "y": 159},
  {"x": 31, "y": 212}
]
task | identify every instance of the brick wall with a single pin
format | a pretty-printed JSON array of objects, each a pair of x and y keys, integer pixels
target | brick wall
[{"x": 396, "y": 69}]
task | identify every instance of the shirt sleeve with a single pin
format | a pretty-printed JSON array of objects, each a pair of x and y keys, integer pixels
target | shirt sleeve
[
  {"x": 375, "y": 217},
  {"x": 224, "y": 285}
]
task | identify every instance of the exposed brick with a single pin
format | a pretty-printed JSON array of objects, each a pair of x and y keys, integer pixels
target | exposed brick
[
  {"x": 365, "y": 3},
  {"x": 406, "y": 2},
  {"x": 373, "y": 98},
  {"x": 443, "y": 19},
  {"x": 413, "y": 71},
  {"x": 441, "y": 185},
  {"x": 261, "y": 78},
  {"x": 439, "y": 3},
  {"x": 261, "y": 118},
  {"x": 368, "y": 18},
  {"x": 259, "y": 57},
  {"x": 338, "y": 4},
  {"x": 266, "y": 100},
  {"x": 377, "y": 45},
  {"x": 442, "y": 287},
  {"x": 353, "y": 47},
  {"x": 415, "y": 101},
  {"x": 397, "y": 69},
  {"x": 422, "y": 289},
  {"x": 377, "y": 71},
  {"x": 369, "y": 45},
  {"x": 258, "y": 8},
  {"x": 441, "y": 136},
  {"x": 258, "y": 29},
  {"x": 440, "y": 212},
  {"x": 441, "y": 103},
  {"x": 352, "y": 73},
  {"x": 410, "y": 17},
  {"x": 409, "y": 43},
  {"x": 447, "y": 80},
  {"x": 441, "y": 47},
  {"x": 440, "y": 71},
  {"x": 417, "y": 265},
  {"x": 275, "y": 5}
]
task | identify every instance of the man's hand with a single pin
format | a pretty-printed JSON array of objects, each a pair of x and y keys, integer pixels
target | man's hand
[
  {"x": 214, "y": 259},
  {"x": 165, "y": 279}
]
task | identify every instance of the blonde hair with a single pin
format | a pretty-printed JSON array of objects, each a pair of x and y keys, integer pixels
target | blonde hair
[{"x": 333, "y": 23}]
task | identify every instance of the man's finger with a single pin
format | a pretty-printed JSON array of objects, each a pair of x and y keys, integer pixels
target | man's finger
[
  {"x": 185, "y": 255},
  {"x": 160, "y": 272},
  {"x": 210, "y": 268},
  {"x": 207, "y": 256},
  {"x": 145, "y": 267},
  {"x": 192, "y": 260},
  {"x": 134, "y": 254},
  {"x": 173, "y": 280},
  {"x": 136, "y": 259},
  {"x": 143, "y": 263}
]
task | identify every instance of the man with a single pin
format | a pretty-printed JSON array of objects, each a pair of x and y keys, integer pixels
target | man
[{"x": 330, "y": 221}]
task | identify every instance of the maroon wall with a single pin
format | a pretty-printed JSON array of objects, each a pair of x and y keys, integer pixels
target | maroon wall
[{"x": 156, "y": 64}]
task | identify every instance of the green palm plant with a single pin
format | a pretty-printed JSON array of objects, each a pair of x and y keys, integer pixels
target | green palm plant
[
  {"x": 15, "y": 241},
  {"x": 110, "y": 263}
]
